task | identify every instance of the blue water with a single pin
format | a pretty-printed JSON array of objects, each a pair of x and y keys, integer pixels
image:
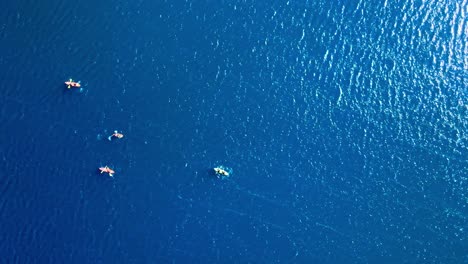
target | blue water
[{"x": 344, "y": 123}]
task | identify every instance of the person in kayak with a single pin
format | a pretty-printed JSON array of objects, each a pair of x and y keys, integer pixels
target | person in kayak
[
  {"x": 73, "y": 84},
  {"x": 221, "y": 172},
  {"x": 116, "y": 134},
  {"x": 107, "y": 170}
]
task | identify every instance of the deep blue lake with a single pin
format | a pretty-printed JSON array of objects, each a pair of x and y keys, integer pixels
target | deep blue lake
[{"x": 344, "y": 123}]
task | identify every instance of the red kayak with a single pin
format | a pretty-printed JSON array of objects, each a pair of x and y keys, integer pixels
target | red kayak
[
  {"x": 73, "y": 84},
  {"x": 107, "y": 170}
]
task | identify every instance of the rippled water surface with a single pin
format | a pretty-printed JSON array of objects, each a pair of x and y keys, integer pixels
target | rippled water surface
[{"x": 344, "y": 123}]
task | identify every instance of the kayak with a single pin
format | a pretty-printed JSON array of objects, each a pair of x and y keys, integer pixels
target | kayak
[
  {"x": 73, "y": 84},
  {"x": 220, "y": 171},
  {"x": 116, "y": 134},
  {"x": 107, "y": 170}
]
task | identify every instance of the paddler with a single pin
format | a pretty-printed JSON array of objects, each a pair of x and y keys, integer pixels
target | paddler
[
  {"x": 221, "y": 172},
  {"x": 107, "y": 170},
  {"x": 116, "y": 134},
  {"x": 73, "y": 84}
]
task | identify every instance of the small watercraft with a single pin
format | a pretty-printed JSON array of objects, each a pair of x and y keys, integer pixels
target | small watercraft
[
  {"x": 116, "y": 134},
  {"x": 107, "y": 170},
  {"x": 73, "y": 84},
  {"x": 221, "y": 172}
]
